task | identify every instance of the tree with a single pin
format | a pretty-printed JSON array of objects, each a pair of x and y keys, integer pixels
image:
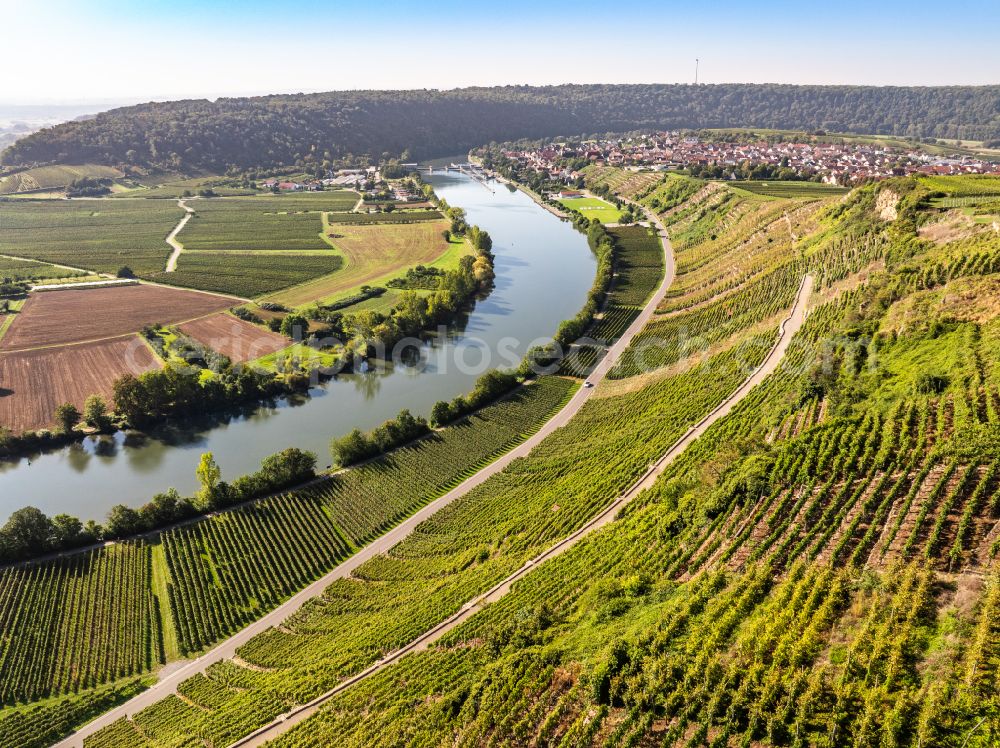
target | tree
[
  {"x": 351, "y": 448},
  {"x": 208, "y": 473},
  {"x": 95, "y": 413},
  {"x": 288, "y": 466},
  {"x": 295, "y": 325},
  {"x": 27, "y": 533},
  {"x": 131, "y": 399},
  {"x": 68, "y": 532},
  {"x": 125, "y": 272},
  {"x": 67, "y": 416},
  {"x": 441, "y": 413},
  {"x": 123, "y": 521}
]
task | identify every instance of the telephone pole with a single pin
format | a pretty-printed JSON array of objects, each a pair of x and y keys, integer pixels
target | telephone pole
[{"x": 696, "y": 71}]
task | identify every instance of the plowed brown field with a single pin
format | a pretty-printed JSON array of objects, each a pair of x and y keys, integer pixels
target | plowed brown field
[
  {"x": 34, "y": 383},
  {"x": 61, "y": 317},
  {"x": 238, "y": 340}
]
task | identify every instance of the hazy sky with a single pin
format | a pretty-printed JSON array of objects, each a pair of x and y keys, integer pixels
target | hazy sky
[{"x": 62, "y": 51}]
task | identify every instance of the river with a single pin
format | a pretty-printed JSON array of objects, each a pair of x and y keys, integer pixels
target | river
[{"x": 544, "y": 269}]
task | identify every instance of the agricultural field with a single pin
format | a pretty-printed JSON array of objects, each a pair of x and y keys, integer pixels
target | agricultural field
[
  {"x": 48, "y": 177},
  {"x": 31, "y": 270},
  {"x": 274, "y": 223},
  {"x": 819, "y": 565},
  {"x": 234, "y": 338},
  {"x": 638, "y": 265},
  {"x": 76, "y": 315},
  {"x": 628, "y": 184},
  {"x": 96, "y": 235},
  {"x": 33, "y": 383},
  {"x": 233, "y": 566},
  {"x": 248, "y": 274},
  {"x": 397, "y": 216},
  {"x": 790, "y": 189},
  {"x": 374, "y": 254},
  {"x": 593, "y": 207},
  {"x": 110, "y": 628}
]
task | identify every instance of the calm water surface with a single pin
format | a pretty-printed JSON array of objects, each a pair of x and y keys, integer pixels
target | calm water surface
[{"x": 543, "y": 271}]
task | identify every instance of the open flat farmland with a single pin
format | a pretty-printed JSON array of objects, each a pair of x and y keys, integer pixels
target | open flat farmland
[
  {"x": 248, "y": 274},
  {"x": 32, "y": 270},
  {"x": 238, "y": 340},
  {"x": 262, "y": 223},
  {"x": 34, "y": 383},
  {"x": 100, "y": 235},
  {"x": 374, "y": 254},
  {"x": 63, "y": 317}
]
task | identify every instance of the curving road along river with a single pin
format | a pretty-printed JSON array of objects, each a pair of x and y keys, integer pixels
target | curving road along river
[
  {"x": 788, "y": 328},
  {"x": 227, "y": 649}
]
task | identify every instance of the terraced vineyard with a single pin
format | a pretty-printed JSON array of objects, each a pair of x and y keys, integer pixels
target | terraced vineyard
[
  {"x": 100, "y": 606},
  {"x": 817, "y": 569},
  {"x": 220, "y": 582}
]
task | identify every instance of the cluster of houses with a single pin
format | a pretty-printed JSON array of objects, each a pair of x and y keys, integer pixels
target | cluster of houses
[
  {"x": 351, "y": 178},
  {"x": 836, "y": 163}
]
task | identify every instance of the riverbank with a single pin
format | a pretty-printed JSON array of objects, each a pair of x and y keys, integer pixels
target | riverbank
[{"x": 89, "y": 477}]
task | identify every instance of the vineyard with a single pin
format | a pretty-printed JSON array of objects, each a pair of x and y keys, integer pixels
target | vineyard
[
  {"x": 18, "y": 270},
  {"x": 72, "y": 624},
  {"x": 814, "y": 571},
  {"x": 791, "y": 189},
  {"x": 96, "y": 235},
  {"x": 241, "y": 224},
  {"x": 220, "y": 582},
  {"x": 817, "y": 569},
  {"x": 462, "y": 549},
  {"x": 398, "y": 216},
  {"x": 628, "y": 184},
  {"x": 247, "y": 274}
]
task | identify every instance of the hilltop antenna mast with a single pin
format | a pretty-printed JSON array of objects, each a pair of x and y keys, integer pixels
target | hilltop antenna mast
[{"x": 696, "y": 71}]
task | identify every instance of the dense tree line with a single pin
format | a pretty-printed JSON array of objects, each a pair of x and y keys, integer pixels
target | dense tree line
[
  {"x": 29, "y": 533},
  {"x": 316, "y": 130}
]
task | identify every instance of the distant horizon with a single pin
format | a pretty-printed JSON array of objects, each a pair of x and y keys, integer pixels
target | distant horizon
[
  {"x": 114, "y": 50},
  {"x": 124, "y": 101}
]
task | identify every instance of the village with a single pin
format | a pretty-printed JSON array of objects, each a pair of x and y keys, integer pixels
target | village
[{"x": 842, "y": 164}]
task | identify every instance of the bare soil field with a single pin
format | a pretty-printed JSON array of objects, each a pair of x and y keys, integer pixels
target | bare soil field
[
  {"x": 34, "y": 383},
  {"x": 62, "y": 317},
  {"x": 238, "y": 340}
]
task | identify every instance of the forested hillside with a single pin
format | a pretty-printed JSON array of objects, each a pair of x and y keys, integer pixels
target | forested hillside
[{"x": 309, "y": 129}]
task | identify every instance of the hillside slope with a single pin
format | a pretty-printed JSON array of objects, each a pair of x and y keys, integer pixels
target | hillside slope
[
  {"x": 308, "y": 129},
  {"x": 817, "y": 569}
]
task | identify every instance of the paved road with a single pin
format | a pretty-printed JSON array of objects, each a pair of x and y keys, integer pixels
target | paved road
[
  {"x": 774, "y": 357},
  {"x": 172, "y": 236},
  {"x": 227, "y": 649}
]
